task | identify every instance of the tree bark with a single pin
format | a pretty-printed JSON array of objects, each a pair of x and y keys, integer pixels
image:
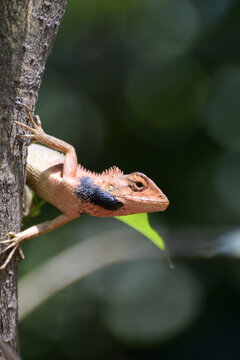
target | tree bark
[{"x": 27, "y": 32}]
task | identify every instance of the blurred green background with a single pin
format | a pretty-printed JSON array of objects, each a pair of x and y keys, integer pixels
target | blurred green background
[{"x": 150, "y": 86}]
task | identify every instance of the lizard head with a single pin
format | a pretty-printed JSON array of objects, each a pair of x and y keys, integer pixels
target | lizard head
[
  {"x": 114, "y": 194},
  {"x": 138, "y": 194}
]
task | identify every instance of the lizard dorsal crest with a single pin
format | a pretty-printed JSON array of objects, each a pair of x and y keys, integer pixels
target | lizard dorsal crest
[{"x": 114, "y": 170}]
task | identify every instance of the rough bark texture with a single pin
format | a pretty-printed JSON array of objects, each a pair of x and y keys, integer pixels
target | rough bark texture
[{"x": 27, "y": 31}]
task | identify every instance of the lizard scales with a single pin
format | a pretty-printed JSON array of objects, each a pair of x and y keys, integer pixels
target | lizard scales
[{"x": 53, "y": 174}]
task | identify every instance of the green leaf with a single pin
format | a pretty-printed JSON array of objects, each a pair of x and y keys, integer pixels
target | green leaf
[
  {"x": 36, "y": 210},
  {"x": 140, "y": 222}
]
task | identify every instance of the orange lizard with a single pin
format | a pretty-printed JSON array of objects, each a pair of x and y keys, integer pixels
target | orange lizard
[{"x": 56, "y": 177}]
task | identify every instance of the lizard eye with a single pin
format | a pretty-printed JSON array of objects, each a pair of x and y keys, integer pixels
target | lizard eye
[{"x": 138, "y": 185}]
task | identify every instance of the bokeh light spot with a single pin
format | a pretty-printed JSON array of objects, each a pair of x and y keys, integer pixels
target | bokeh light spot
[
  {"x": 169, "y": 94},
  {"x": 149, "y": 302},
  {"x": 161, "y": 29}
]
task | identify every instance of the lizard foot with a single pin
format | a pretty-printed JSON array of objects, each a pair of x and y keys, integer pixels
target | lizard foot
[
  {"x": 36, "y": 129},
  {"x": 12, "y": 244}
]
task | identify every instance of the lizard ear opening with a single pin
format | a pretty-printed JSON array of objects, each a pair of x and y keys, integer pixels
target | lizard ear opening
[{"x": 137, "y": 182}]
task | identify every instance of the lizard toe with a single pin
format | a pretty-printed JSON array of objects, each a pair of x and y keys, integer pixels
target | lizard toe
[{"x": 3, "y": 266}]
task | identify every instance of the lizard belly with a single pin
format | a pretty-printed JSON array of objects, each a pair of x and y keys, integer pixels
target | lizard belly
[{"x": 40, "y": 158}]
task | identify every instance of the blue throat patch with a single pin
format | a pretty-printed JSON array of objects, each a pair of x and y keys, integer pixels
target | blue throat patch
[{"x": 88, "y": 191}]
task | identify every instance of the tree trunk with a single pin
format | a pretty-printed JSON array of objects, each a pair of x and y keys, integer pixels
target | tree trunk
[{"x": 27, "y": 31}]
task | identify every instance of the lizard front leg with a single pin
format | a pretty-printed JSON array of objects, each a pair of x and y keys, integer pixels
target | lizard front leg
[
  {"x": 31, "y": 233},
  {"x": 38, "y": 135}
]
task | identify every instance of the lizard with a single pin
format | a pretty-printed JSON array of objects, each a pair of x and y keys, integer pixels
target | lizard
[{"x": 53, "y": 173}]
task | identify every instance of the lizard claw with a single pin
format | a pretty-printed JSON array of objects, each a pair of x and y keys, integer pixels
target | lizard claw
[
  {"x": 38, "y": 121},
  {"x": 13, "y": 244},
  {"x": 28, "y": 137},
  {"x": 13, "y": 235},
  {"x": 36, "y": 128}
]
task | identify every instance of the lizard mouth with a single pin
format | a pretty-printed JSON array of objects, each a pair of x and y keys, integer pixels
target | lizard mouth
[{"x": 159, "y": 204}]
